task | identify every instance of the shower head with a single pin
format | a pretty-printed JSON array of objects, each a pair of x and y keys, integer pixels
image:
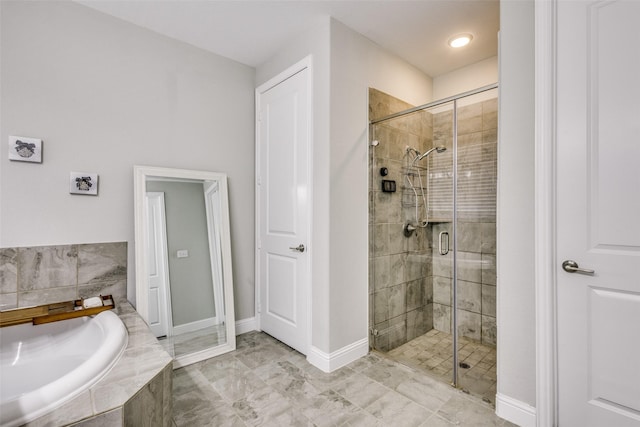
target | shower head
[{"x": 439, "y": 149}]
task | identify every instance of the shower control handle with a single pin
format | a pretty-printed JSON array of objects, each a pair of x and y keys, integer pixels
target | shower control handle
[
  {"x": 299, "y": 248},
  {"x": 442, "y": 248},
  {"x": 571, "y": 266}
]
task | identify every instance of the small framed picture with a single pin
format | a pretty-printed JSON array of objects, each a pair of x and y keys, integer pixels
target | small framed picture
[
  {"x": 23, "y": 149},
  {"x": 83, "y": 183}
]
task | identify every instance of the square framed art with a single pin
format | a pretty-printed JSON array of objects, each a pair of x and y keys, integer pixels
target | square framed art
[
  {"x": 83, "y": 183},
  {"x": 24, "y": 149}
]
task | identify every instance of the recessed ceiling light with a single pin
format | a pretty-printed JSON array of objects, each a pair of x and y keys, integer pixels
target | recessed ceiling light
[{"x": 460, "y": 40}]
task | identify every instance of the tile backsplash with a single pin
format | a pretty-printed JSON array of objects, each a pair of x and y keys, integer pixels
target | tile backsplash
[{"x": 47, "y": 274}]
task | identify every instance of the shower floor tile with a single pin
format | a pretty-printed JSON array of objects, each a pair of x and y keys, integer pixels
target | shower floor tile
[{"x": 432, "y": 353}]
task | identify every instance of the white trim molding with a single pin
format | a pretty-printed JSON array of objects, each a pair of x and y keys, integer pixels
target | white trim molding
[
  {"x": 545, "y": 217},
  {"x": 329, "y": 362},
  {"x": 515, "y": 411},
  {"x": 246, "y": 325}
]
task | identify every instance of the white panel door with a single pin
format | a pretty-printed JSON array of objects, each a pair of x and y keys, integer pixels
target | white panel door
[
  {"x": 283, "y": 139},
  {"x": 598, "y": 201},
  {"x": 158, "y": 266}
]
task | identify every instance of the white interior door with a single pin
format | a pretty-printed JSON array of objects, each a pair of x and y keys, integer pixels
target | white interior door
[
  {"x": 158, "y": 266},
  {"x": 598, "y": 202},
  {"x": 283, "y": 142}
]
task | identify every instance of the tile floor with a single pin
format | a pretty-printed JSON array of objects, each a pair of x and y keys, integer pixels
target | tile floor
[
  {"x": 432, "y": 352},
  {"x": 190, "y": 342},
  {"x": 266, "y": 383}
]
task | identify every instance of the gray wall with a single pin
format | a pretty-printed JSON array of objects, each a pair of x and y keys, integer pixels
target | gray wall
[
  {"x": 515, "y": 225},
  {"x": 105, "y": 95},
  {"x": 190, "y": 279},
  {"x": 356, "y": 65}
]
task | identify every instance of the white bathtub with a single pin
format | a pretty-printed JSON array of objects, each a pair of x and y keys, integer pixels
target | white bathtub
[{"x": 42, "y": 367}]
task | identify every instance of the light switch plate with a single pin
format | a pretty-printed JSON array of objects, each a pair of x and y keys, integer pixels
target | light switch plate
[{"x": 183, "y": 253}]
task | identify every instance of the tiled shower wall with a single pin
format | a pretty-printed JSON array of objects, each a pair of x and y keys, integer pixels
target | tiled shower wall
[
  {"x": 409, "y": 283},
  {"x": 47, "y": 274},
  {"x": 476, "y": 230},
  {"x": 400, "y": 288}
]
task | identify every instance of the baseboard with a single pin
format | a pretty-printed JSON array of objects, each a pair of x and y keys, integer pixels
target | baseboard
[
  {"x": 329, "y": 362},
  {"x": 515, "y": 411},
  {"x": 246, "y": 325},
  {"x": 194, "y": 326}
]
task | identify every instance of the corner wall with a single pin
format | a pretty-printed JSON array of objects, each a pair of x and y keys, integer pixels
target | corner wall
[
  {"x": 105, "y": 95},
  {"x": 515, "y": 227},
  {"x": 356, "y": 65}
]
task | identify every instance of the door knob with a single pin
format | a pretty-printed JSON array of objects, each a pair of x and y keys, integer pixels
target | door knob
[
  {"x": 571, "y": 266},
  {"x": 299, "y": 248}
]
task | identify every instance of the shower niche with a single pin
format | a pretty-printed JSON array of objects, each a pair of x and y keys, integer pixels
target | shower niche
[{"x": 432, "y": 242}]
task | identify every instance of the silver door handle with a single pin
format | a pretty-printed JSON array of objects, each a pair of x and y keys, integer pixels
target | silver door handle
[
  {"x": 571, "y": 266},
  {"x": 299, "y": 248},
  {"x": 443, "y": 249}
]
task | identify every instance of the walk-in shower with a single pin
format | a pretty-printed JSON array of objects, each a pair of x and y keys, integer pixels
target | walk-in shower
[{"x": 432, "y": 240}]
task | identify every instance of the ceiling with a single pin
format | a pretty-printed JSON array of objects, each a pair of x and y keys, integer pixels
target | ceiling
[{"x": 252, "y": 31}]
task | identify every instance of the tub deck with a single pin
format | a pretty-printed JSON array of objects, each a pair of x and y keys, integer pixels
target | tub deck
[{"x": 140, "y": 379}]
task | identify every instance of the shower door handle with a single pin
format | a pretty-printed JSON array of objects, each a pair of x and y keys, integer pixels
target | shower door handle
[{"x": 443, "y": 248}]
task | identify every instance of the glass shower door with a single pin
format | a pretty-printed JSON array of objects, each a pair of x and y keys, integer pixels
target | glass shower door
[
  {"x": 410, "y": 283},
  {"x": 441, "y": 214},
  {"x": 432, "y": 238},
  {"x": 475, "y": 228}
]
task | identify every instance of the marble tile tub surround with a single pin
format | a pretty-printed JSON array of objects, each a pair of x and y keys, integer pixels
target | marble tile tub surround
[
  {"x": 265, "y": 383},
  {"x": 400, "y": 287},
  {"x": 136, "y": 392},
  {"x": 47, "y": 274}
]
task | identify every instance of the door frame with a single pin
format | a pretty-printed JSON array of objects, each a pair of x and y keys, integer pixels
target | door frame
[
  {"x": 305, "y": 63},
  {"x": 545, "y": 278}
]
